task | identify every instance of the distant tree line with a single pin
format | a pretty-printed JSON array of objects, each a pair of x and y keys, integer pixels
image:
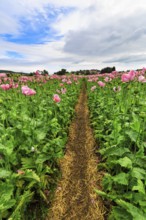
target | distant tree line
[
  {"x": 61, "y": 72},
  {"x": 11, "y": 73},
  {"x": 108, "y": 69},
  {"x": 86, "y": 72},
  {"x": 64, "y": 72}
]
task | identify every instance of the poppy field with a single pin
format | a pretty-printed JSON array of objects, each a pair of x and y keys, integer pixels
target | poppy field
[
  {"x": 118, "y": 115},
  {"x": 35, "y": 115}
]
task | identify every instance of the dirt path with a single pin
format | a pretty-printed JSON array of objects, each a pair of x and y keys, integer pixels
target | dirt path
[{"x": 75, "y": 198}]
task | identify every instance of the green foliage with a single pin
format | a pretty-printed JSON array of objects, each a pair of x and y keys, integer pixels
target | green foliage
[
  {"x": 119, "y": 124},
  {"x": 34, "y": 132}
]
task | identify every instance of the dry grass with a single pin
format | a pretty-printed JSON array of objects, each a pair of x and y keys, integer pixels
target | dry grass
[{"x": 75, "y": 198}]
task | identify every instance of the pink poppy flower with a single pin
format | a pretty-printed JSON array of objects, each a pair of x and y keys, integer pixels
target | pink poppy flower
[
  {"x": 144, "y": 69},
  {"x": 141, "y": 78},
  {"x": 63, "y": 80},
  {"x": 101, "y": 84},
  {"x": 38, "y": 72},
  {"x": 5, "y": 86},
  {"x": 56, "y": 98},
  {"x": 126, "y": 77},
  {"x": 114, "y": 72},
  {"x": 31, "y": 92},
  {"x": 63, "y": 90},
  {"x": 27, "y": 91},
  {"x": 106, "y": 79},
  {"x": 3, "y": 75},
  {"x": 69, "y": 82},
  {"x": 112, "y": 76},
  {"x": 93, "y": 88},
  {"x": 14, "y": 86}
]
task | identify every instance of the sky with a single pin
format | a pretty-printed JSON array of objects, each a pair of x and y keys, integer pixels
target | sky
[{"x": 74, "y": 34}]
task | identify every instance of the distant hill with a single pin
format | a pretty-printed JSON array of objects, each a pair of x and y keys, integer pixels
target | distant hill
[{"x": 13, "y": 72}]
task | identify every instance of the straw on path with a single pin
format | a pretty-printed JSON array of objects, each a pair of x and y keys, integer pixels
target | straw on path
[{"x": 75, "y": 198}]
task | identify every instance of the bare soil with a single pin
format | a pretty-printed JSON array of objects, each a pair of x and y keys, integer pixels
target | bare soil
[{"x": 75, "y": 198}]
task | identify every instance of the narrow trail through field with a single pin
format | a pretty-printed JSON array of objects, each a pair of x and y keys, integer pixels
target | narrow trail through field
[{"x": 75, "y": 198}]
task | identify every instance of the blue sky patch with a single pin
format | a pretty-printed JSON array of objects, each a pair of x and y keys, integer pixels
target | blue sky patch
[
  {"x": 38, "y": 30},
  {"x": 13, "y": 54}
]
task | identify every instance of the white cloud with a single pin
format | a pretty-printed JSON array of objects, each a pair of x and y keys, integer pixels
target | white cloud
[{"x": 95, "y": 34}]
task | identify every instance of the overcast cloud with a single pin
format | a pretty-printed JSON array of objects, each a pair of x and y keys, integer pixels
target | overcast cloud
[{"x": 55, "y": 34}]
